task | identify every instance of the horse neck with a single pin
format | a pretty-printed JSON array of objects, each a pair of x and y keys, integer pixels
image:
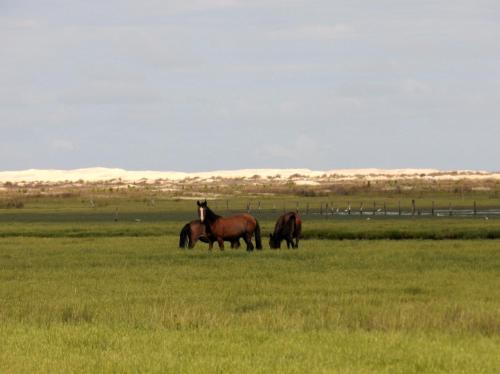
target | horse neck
[{"x": 211, "y": 217}]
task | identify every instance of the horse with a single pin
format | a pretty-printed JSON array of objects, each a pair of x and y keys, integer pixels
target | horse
[
  {"x": 230, "y": 228},
  {"x": 194, "y": 231},
  {"x": 288, "y": 226}
]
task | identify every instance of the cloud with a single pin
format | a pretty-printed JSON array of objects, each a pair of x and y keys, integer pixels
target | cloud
[
  {"x": 314, "y": 32},
  {"x": 110, "y": 92},
  {"x": 301, "y": 81},
  {"x": 296, "y": 150},
  {"x": 62, "y": 145}
]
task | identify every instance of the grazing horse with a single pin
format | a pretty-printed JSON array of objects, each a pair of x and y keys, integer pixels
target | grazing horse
[
  {"x": 288, "y": 226},
  {"x": 194, "y": 231},
  {"x": 230, "y": 228}
]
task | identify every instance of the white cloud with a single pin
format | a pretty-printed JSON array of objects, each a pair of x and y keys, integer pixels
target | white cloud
[{"x": 353, "y": 72}]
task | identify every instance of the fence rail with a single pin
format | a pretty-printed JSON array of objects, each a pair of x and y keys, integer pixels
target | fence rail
[{"x": 329, "y": 209}]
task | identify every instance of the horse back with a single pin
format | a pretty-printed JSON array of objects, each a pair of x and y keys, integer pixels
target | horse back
[
  {"x": 288, "y": 224},
  {"x": 234, "y": 226}
]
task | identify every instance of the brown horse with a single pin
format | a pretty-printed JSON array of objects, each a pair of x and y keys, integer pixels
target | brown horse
[
  {"x": 288, "y": 226},
  {"x": 230, "y": 228},
  {"x": 194, "y": 231}
]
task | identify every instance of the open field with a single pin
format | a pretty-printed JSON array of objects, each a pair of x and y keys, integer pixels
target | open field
[
  {"x": 140, "y": 304},
  {"x": 82, "y": 292}
]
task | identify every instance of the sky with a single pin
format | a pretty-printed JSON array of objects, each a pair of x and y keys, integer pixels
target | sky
[{"x": 199, "y": 85}]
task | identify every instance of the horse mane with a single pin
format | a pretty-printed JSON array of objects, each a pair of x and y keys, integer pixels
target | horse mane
[{"x": 211, "y": 215}]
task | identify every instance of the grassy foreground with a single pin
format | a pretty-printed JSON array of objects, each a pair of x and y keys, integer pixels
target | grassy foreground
[{"x": 139, "y": 304}]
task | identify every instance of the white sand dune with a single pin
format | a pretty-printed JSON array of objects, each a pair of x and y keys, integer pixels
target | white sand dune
[{"x": 107, "y": 174}]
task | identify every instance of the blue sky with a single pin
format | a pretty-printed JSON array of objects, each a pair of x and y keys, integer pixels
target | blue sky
[{"x": 198, "y": 85}]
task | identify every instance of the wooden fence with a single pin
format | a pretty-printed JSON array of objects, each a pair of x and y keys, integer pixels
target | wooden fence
[{"x": 330, "y": 208}]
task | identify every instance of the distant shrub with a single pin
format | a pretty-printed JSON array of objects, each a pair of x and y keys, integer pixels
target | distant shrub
[{"x": 12, "y": 204}]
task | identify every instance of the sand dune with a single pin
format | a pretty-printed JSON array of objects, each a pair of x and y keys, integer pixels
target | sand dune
[{"x": 107, "y": 174}]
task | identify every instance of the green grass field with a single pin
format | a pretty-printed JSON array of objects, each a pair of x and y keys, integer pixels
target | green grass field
[
  {"x": 142, "y": 305},
  {"x": 82, "y": 293}
]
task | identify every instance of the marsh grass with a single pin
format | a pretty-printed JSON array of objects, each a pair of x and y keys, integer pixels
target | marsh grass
[
  {"x": 102, "y": 225},
  {"x": 140, "y": 304}
]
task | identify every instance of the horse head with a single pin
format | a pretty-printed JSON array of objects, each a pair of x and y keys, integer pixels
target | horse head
[
  {"x": 274, "y": 243},
  {"x": 202, "y": 210}
]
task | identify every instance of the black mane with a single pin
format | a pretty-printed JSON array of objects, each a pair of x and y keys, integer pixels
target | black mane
[{"x": 211, "y": 215}]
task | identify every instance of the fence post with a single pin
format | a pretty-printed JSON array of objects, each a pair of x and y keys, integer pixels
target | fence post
[
  {"x": 297, "y": 207},
  {"x": 399, "y": 207},
  {"x": 227, "y": 205},
  {"x": 361, "y": 209},
  {"x": 374, "y": 207},
  {"x": 326, "y": 210},
  {"x": 385, "y": 209},
  {"x": 248, "y": 207},
  {"x": 321, "y": 209},
  {"x": 258, "y": 205},
  {"x": 413, "y": 207},
  {"x": 432, "y": 209},
  {"x": 450, "y": 212},
  {"x": 475, "y": 208},
  {"x": 349, "y": 207}
]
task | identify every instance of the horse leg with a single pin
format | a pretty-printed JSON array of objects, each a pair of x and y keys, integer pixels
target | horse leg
[
  {"x": 210, "y": 244},
  {"x": 192, "y": 243},
  {"x": 221, "y": 243},
  {"x": 288, "y": 242},
  {"x": 248, "y": 240},
  {"x": 297, "y": 242}
]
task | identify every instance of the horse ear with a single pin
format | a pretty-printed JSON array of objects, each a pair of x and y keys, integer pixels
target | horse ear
[
  {"x": 205, "y": 202},
  {"x": 198, "y": 202}
]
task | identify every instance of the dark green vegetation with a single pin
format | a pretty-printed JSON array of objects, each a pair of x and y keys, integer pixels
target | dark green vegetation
[{"x": 80, "y": 292}]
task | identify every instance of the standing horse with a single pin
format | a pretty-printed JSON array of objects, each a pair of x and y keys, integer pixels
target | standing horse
[
  {"x": 230, "y": 228},
  {"x": 288, "y": 226},
  {"x": 194, "y": 231}
]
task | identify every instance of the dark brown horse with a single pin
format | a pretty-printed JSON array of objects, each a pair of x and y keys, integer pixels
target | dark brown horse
[
  {"x": 230, "y": 228},
  {"x": 288, "y": 227},
  {"x": 194, "y": 231}
]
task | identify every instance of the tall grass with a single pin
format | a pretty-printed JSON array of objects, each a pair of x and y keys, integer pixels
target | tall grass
[
  {"x": 101, "y": 226},
  {"x": 141, "y": 304}
]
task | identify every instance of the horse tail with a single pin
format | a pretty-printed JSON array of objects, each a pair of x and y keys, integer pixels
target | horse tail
[
  {"x": 258, "y": 240},
  {"x": 184, "y": 235}
]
